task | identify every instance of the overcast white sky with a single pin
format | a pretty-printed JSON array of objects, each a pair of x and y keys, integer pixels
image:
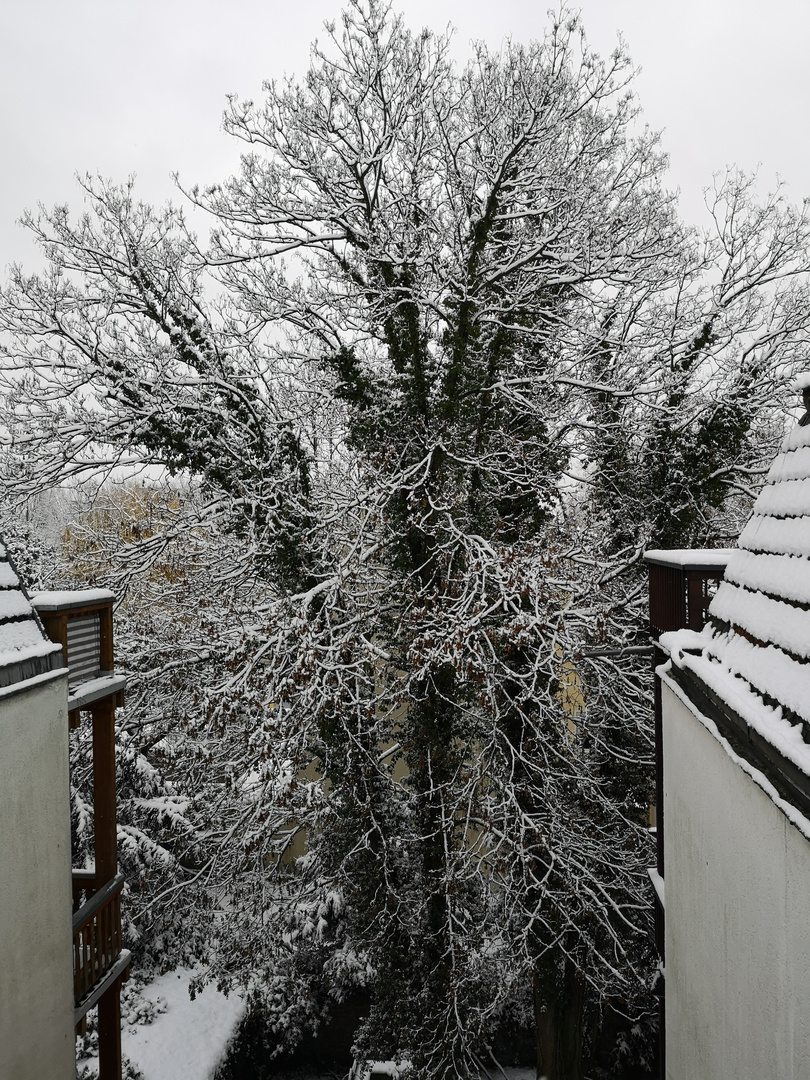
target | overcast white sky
[{"x": 138, "y": 86}]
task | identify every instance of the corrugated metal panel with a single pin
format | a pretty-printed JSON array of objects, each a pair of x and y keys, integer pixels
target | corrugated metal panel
[{"x": 83, "y": 648}]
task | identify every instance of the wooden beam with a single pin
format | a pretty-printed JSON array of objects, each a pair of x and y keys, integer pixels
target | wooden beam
[
  {"x": 109, "y": 1033},
  {"x": 56, "y": 628},
  {"x": 104, "y": 811},
  {"x": 106, "y": 658}
]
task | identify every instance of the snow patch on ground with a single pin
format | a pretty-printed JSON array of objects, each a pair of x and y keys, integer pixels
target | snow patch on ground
[{"x": 187, "y": 1040}]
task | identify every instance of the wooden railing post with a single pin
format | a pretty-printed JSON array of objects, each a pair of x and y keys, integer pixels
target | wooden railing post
[
  {"x": 109, "y": 1006},
  {"x": 104, "y": 814},
  {"x": 106, "y": 661},
  {"x": 109, "y": 1033}
]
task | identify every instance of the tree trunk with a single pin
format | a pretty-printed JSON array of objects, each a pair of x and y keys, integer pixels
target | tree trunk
[{"x": 559, "y": 1020}]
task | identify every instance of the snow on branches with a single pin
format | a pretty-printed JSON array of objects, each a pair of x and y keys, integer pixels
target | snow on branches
[{"x": 448, "y": 364}]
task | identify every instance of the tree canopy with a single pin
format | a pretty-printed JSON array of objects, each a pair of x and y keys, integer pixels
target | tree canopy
[{"x": 447, "y": 365}]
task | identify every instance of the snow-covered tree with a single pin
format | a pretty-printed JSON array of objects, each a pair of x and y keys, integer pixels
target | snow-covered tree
[
  {"x": 447, "y": 366},
  {"x": 122, "y": 537}
]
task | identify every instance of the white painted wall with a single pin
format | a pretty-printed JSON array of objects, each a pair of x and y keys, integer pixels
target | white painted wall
[
  {"x": 36, "y": 950},
  {"x": 737, "y": 942}
]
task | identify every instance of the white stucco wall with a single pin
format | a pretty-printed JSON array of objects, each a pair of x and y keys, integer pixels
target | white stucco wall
[
  {"x": 737, "y": 943},
  {"x": 36, "y": 958}
]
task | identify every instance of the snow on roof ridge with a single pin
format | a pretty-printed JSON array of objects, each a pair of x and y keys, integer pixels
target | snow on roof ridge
[
  {"x": 25, "y": 649},
  {"x": 776, "y": 536},
  {"x": 784, "y": 498},
  {"x": 743, "y": 698},
  {"x": 754, "y": 654},
  {"x": 796, "y": 438},
  {"x": 793, "y": 464},
  {"x": 769, "y": 619},
  {"x": 782, "y": 575}
]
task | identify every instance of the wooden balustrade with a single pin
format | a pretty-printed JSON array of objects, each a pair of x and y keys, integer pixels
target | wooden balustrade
[
  {"x": 96, "y": 938},
  {"x": 84, "y": 885}
]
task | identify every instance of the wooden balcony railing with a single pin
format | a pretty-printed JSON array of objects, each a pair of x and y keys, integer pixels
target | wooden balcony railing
[
  {"x": 96, "y": 938},
  {"x": 84, "y": 885},
  {"x": 680, "y": 586}
]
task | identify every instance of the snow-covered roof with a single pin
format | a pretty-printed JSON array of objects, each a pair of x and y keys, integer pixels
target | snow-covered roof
[
  {"x": 754, "y": 654},
  {"x": 65, "y": 600},
  {"x": 25, "y": 650}
]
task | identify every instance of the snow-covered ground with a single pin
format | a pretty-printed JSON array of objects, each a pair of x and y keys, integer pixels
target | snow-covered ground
[{"x": 187, "y": 1039}]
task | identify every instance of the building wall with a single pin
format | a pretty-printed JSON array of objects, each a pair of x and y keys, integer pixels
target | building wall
[
  {"x": 737, "y": 879},
  {"x": 36, "y": 958}
]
